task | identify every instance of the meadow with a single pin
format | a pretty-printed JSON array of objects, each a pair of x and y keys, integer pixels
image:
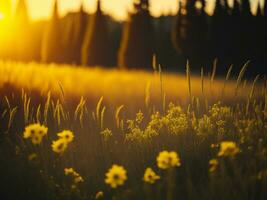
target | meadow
[{"x": 68, "y": 132}]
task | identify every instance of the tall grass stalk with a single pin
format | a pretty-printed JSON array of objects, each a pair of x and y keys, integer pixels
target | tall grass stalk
[
  {"x": 117, "y": 116},
  {"x": 147, "y": 95},
  {"x": 102, "y": 118},
  {"x": 38, "y": 114},
  {"x": 188, "y": 76},
  {"x": 202, "y": 81},
  {"x": 226, "y": 79},
  {"x": 214, "y": 68},
  {"x": 46, "y": 108},
  {"x": 26, "y": 108},
  {"x": 161, "y": 89},
  {"x": 98, "y": 111},
  {"x": 251, "y": 93},
  {"x": 240, "y": 76}
]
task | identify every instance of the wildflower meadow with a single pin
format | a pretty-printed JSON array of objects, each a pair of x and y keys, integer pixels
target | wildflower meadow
[{"x": 210, "y": 142}]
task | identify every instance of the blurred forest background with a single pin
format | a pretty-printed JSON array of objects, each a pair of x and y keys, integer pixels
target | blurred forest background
[{"x": 233, "y": 34}]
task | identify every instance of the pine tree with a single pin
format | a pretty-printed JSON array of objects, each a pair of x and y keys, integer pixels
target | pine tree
[
  {"x": 226, "y": 6},
  {"x": 245, "y": 8},
  {"x": 177, "y": 31},
  {"x": 80, "y": 34},
  {"x": 52, "y": 45},
  {"x": 96, "y": 50},
  {"x": 202, "y": 34},
  {"x": 219, "y": 37},
  {"x": 192, "y": 31},
  {"x": 236, "y": 27},
  {"x": 74, "y": 32},
  {"x": 246, "y": 29},
  {"x": 137, "y": 45}
]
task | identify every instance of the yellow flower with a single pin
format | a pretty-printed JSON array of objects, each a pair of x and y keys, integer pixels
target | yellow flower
[
  {"x": 35, "y": 132},
  {"x": 37, "y": 139},
  {"x": 213, "y": 165},
  {"x": 228, "y": 148},
  {"x": 59, "y": 146},
  {"x": 69, "y": 171},
  {"x": 116, "y": 176},
  {"x": 76, "y": 176},
  {"x": 67, "y": 135},
  {"x": 168, "y": 160},
  {"x": 78, "y": 179},
  {"x": 106, "y": 134},
  {"x": 150, "y": 176},
  {"x": 99, "y": 195}
]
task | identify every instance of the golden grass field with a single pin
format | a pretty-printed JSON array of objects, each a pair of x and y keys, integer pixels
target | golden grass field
[
  {"x": 118, "y": 87},
  {"x": 72, "y": 133}
]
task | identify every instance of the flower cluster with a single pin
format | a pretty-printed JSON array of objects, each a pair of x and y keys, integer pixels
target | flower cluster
[
  {"x": 106, "y": 134},
  {"x": 35, "y": 132},
  {"x": 65, "y": 137},
  {"x": 76, "y": 176},
  {"x": 168, "y": 160},
  {"x": 228, "y": 149},
  {"x": 176, "y": 120}
]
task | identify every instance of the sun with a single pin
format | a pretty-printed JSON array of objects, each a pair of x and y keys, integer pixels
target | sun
[{"x": 2, "y": 16}]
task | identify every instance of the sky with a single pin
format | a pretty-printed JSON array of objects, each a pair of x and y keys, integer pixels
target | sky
[{"x": 39, "y": 9}]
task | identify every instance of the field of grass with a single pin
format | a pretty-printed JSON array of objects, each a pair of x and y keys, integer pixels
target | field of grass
[{"x": 203, "y": 137}]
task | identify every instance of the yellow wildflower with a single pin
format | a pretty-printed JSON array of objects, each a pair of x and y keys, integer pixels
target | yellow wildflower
[
  {"x": 228, "y": 148},
  {"x": 76, "y": 176},
  {"x": 213, "y": 165},
  {"x": 116, "y": 176},
  {"x": 78, "y": 179},
  {"x": 35, "y": 132},
  {"x": 150, "y": 176},
  {"x": 67, "y": 135},
  {"x": 168, "y": 160},
  {"x": 69, "y": 171},
  {"x": 60, "y": 145},
  {"x": 106, "y": 134}
]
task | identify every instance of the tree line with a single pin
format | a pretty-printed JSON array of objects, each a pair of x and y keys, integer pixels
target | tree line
[{"x": 233, "y": 35}]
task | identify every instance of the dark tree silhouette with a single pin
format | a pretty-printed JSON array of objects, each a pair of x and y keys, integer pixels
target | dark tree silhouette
[
  {"x": 190, "y": 33},
  {"x": 219, "y": 37},
  {"x": 75, "y": 29},
  {"x": 52, "y": 44},
  {"x": 177, "y": 33},
  {"x": 247, "y": 31},
  {"x": 96, "y": 50},
  {"x": 236, "y": 29},
  {"x": 137, "y": 45},
  {"x": 259, "y": 36}
]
